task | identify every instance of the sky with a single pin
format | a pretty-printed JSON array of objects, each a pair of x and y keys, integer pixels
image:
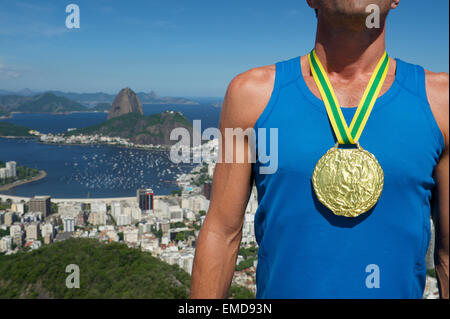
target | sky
[{"x": 190, "y": 48}]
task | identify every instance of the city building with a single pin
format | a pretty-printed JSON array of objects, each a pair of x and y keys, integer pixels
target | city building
[
  {"x": 15, "y": 229},
  {"x": 31, "y": 217},
  {"x": 6, "y": 243},
  {"x": 98, "y": 207},
  {"x": 145, "y": 199},
  {"x": 123, "y": 219},
  {"x": 40, "y": 204},
  {"x": 116, "y": 209},
  {"x": 69, "y": 224},
  {"x": 145, "y": 228},
  {"x": 47, "y": 230},
  {"x": 18, "y": 208},
  {"x": 3, "y": 173},
  {"x": 11, "y": 169},
  {"x": 32, "y": 231},
  {"x": 211, "y": 167},
  {"x": 195, "y": 203},
  {"x": 70, "y": 208},
  {"x": 18, "y": 238},
  {"x": 9, "y": 217},
  {"x": 80, "y": 219},
  {"x": 130, "y": 236},
  {"x": 97, "y": 218},
  {"x": 165, "y": 226},
  {"x": 175, "y": 214}
]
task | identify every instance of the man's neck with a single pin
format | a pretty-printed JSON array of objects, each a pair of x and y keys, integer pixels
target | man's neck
[{"x": 349, "y": 52}]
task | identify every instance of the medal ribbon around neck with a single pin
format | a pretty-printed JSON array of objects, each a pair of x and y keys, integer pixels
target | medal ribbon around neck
[{"x": 345, "y": 134}]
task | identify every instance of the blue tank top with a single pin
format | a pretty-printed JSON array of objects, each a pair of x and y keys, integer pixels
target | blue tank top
[{"x": 305, "y": 251}]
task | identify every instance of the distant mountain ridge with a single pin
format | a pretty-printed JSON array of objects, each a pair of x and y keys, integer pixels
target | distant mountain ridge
[
  {"x": 42, "y": 103},
  {"x": 91, "y": 99}
]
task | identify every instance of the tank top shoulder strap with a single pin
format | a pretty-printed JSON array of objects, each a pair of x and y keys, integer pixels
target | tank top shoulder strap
[
  {"x": 288, "y": 71},
  {"x": 412, "y": 78}
]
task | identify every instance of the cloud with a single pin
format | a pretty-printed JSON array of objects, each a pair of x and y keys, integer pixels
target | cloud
[{"x": 8, "y": 73}]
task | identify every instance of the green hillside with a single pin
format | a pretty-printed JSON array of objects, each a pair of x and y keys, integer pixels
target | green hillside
[
  {"x": 140, "y": 129},
  {"x": 106, "y": 271},
  {"x": 50, "y": 103},
  {"x": 42, "y": 103},
  {"x": 9, "y": 129}
]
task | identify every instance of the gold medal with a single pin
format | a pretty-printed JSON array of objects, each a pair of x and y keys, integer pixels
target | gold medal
[{"x": 348, "y": 181}]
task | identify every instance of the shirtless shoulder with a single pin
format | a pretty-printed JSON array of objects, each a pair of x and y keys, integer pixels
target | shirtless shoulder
[
  {"x": 437, "y": 86},
  {"x": 247, "y": 96}
]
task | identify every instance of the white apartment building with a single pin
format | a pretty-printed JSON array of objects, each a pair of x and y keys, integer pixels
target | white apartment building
[
  {"x": 18, "y": 208},
  {"x": 175, "y": 214},
  {"x": 130, "y": 236},
  {"x": 211, "y": 167},
  {"x": 98, "y": 207},
  {"x": 3, "y": 173},
  {"x": 248, "y": 229},
  {"x": 11, "y": 169},
  {"x": 6, "y": 243},
  {"x": 97, "y": 218},
  {"x": 69, "y": 224},
  {"x": 135, "y": 213},
  {"x": 195, "y": 203},
  {"x": 70, "y": 209},
  {"x": 9, "y": 218},
  {"x": 122, "y": 220},
  {"x": 15, "y": 229},
  {"x": 47, "y": 229},
  {"x": 189, "y": 214}
]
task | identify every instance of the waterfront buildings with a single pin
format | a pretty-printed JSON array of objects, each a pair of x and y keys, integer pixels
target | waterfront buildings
[
  {"x": 40, "y": 204},
  {"x": 10, "y": 170},
  {"x": 145, "y": 198}
]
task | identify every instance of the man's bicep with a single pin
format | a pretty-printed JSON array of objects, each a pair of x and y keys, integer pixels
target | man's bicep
[
  {"x": 230, "y": 193},
  {"x": 232, "y": 178}
]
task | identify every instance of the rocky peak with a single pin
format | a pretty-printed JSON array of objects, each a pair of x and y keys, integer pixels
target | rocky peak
[{"x": 125, "y": 102}]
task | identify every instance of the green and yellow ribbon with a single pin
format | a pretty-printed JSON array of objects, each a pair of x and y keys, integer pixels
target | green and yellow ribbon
[{"x": 345, "y": 134}]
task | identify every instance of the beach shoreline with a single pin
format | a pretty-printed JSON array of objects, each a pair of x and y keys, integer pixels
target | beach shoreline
[{"x": 42, "y": 174}]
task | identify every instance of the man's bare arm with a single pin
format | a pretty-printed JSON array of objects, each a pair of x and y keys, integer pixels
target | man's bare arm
[
  {"x": 438, "y": 96},
  {"x": 221, "y": 233}
]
